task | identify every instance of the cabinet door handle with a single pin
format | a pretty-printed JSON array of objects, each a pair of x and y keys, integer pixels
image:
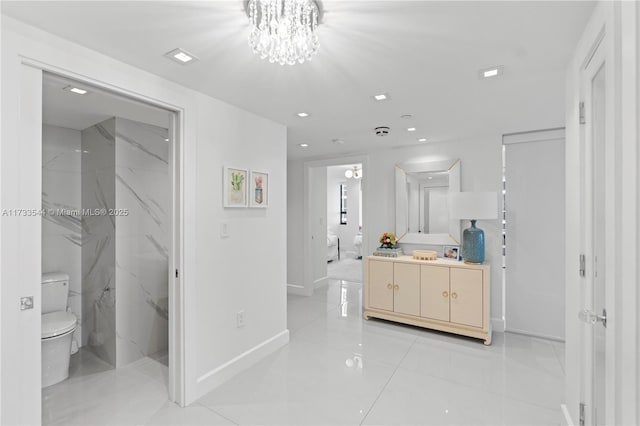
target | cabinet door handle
[
  {"x": 389, "y": 286},
  {"x": 454, "y": 295},
  {"x": 396, "y": 287},
  {"x": 445, "y": 294}
]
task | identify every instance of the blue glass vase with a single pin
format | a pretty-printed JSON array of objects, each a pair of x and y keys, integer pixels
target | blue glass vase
[{"x": 473, "y": 244}]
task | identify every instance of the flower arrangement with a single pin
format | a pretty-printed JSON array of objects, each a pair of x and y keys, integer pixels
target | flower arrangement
[
  {"x": 388, "y": 240},
  {"x": 258, "y": 182}
]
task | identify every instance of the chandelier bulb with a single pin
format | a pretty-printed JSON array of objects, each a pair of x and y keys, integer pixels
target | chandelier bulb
[{"x": 284, "y": 30}]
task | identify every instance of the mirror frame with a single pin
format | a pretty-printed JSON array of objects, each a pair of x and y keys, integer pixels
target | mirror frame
[{"x": 402, "y": 202}]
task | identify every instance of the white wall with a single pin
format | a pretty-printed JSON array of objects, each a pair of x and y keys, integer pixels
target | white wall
[
  {"x": 61, "y": 233},
  {"x": 215, "y": 280},
  {"x": 295, "y": 225},
  {"x": 481, "y": 170},
  {"x": 318, "y": 213},
  {"x": 335, "y": 177}
]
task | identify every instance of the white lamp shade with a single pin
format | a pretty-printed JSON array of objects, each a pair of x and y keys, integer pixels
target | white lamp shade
[{"x": 473, "y": 205}]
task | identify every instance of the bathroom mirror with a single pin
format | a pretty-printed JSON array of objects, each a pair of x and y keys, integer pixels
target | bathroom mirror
[{"x": 422, "y": 214}]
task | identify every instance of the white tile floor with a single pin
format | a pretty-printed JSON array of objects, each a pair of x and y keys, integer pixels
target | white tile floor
[{"x": 341, "y": 369}]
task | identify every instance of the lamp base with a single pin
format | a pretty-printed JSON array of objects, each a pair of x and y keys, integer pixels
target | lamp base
[{"x": 473, "y": 245}]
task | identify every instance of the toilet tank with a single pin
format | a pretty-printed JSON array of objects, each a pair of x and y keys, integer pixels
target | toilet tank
[{"x": 55, "y": 291}]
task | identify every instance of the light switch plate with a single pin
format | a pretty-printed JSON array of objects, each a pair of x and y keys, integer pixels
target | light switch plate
[{"x": 224, "y": 230}]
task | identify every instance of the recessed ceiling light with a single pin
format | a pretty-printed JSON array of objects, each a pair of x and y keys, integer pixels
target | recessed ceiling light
[
  {"x": 166, "y": 139},
  {"x": 381, "y": 97},
  {"x": 181, "y": 56},
  {"x": 492, "y": 72},
  {"x": 411, "y": 129},
  {"x": 302, "y": 114},
  {"x": 422, "y": 140},
  {"x": 76, "y": 90},
  {"x": 338, "y": 141},
  {"x": 303, "y": 145},
  {"x": 406, "y": 116}
]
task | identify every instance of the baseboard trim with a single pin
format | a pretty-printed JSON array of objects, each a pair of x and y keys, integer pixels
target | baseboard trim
[
  {"x": 296, "y": 289},
  {"x": 497, "y": 325},
  {"x": 566, "y": 416},
  {"x": 214, "y": 378},
  {"x": 538, "y": 335}
]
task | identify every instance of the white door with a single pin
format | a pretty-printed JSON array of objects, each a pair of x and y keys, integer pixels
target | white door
[
  {"x": 599, "y": 249},
  {"x": 603, "y": 220}
]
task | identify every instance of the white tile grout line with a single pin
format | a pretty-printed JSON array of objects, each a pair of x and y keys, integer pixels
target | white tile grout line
[
  {"x": 387, "y": 383},
  {"x": 215, "y": 412}
]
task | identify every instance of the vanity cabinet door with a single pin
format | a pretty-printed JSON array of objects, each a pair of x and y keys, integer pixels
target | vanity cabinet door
[
  {"x": 466, "y": 296},
  {"x": 434, "y": 292},
  {"x": 380, "y": 285},
  {"x": 406, "y": 288}
]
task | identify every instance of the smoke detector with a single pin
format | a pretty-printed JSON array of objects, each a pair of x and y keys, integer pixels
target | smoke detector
[{"x": 382, "y": 131}]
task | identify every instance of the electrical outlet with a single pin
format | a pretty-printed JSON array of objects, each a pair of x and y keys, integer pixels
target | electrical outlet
[{"x": 240, "y": 319}]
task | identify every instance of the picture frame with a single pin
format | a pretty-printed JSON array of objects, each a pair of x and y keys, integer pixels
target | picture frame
[
  {"x": 258, "y": 189},
  {"x": 234, "y": 185},
  {"x": 452, "y": 252}
]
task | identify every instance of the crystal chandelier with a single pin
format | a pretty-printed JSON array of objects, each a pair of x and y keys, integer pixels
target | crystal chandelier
[{"x": 284, "y": 30}]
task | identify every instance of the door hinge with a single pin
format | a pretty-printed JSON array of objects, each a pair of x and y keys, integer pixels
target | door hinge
[
  {"x": 581, "y": 113},
  {"x": 583, "y": 265},
  {"x": 582, "y": 411},
  {"x": 176, "y": 273}
]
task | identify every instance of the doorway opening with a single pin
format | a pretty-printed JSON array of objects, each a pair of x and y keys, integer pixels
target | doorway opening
[
  {"x": 109, "y": 250},
  {"x": 344, "y": 222}
]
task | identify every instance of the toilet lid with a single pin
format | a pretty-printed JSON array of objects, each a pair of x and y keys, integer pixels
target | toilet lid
[{"x": 57, "y": 323}]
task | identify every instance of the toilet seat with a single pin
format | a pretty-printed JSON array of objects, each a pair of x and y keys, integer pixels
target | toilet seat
[{"x": 55, "y": 324}]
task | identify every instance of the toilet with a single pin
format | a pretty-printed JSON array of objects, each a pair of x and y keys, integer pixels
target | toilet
[{"x": 58, "y": 326}]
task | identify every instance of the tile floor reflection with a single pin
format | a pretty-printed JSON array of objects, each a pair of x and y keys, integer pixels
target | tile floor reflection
[{"x": 341, "y": 369}]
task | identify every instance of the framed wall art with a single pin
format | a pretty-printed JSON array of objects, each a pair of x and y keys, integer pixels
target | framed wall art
[
  {"x": 452, "y": 252},
  {"x": 235, "y": 187},
  {"x": 259, "y": 189}
]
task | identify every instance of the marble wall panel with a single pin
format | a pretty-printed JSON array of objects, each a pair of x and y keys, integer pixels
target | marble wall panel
[
  {"x": 61, "y": 202},
  {"x": 125, "y": 171},
  {"x": 142, "y": 230},
  {"x": 98, "y": 240}
]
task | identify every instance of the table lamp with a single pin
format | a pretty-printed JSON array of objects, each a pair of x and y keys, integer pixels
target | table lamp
[{"x": 473, "y": 206}]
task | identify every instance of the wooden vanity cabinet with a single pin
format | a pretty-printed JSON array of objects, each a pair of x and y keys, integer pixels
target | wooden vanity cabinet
[{"x": 443, "y": 295}]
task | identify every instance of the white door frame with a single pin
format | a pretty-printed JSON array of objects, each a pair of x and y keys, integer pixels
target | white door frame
[
  {"x": 176, "y": 379},
  {"x": 616, "y": 23},
  {"x": 308, "y": 285}
]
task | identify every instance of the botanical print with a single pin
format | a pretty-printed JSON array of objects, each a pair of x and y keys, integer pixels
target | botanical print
[
  {"x": 259, "y": 189},
  {"x": 235, "y": 187}
]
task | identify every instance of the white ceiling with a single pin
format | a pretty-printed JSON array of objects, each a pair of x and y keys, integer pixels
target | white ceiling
[
  {"x": 65, "y": 109},
  {"x": 425, "y": 54}
]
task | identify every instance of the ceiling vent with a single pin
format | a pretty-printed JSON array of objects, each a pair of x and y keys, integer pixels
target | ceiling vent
[{"x": 382, "y": 131}]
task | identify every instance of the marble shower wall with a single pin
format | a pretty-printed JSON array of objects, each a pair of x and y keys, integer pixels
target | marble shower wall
[
  {"x": 125, "y": 255},
  {"x": 62, "y": 226},
  {"x": 142, "y": 230},
  {"x": 98, "y": 239}
]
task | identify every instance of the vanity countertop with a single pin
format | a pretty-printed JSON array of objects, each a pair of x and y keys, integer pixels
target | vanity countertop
[{"x": 438, "y": 262}]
